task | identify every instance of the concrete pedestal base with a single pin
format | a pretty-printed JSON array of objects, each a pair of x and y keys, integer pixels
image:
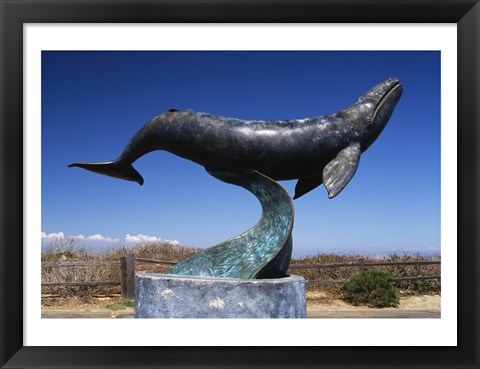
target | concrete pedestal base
[{"x": 177, "y": 296}]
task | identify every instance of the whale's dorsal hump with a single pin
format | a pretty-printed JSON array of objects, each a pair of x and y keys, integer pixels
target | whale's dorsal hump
[{"x": 340, "y": 170}]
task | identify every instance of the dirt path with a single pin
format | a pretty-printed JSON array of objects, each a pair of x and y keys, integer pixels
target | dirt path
[
  {"x": 318, "y": 306},
  {"x": 374, "y": 314},
  {"x": 338, "y": 314},
  {"x": 318, "y": 301},
  {"x": 87, "y": 314}
]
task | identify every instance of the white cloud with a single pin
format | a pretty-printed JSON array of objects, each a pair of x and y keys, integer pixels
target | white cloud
[
  {"x": 140, "y": 238},
  {"x": 99, "y": 237},
  {"x": 61, "y": 236},
  {"x": 143, "y": 238},
  {"x": 53, "y": 236}
]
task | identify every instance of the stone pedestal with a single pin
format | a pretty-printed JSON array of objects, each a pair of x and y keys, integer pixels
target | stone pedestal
[{"x": 177, "y": 296}]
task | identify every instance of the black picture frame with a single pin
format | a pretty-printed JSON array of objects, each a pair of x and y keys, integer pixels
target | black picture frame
[{"x": 15, "y": 13}]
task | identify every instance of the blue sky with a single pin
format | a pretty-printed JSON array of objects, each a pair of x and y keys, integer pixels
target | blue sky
[{"x": 93, "y": 102}]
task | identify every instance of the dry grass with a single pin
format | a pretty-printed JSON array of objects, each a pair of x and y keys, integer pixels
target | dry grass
[
  {"x": 419, "y": 287},
  {"x": 68, "y": 250}
]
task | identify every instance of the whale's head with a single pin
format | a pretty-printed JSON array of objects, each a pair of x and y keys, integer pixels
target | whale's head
[{"x": 376, "y": 106}]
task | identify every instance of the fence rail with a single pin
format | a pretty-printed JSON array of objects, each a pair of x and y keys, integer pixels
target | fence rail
[
  {"x": 353, "y": 264},
  {"x": 401, "y": 279},
  {"x": 127, "y": 271},
  {"x": 77, "y": 264},
  {"x": 153, "y": 261},
  {"x": 73, "y": 284}
]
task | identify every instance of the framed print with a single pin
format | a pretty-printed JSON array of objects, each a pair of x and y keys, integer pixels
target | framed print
[{"x": 71, "y": 41}]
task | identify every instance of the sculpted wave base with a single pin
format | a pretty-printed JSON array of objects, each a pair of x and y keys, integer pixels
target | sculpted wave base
[{"x": 176, "y": 296}]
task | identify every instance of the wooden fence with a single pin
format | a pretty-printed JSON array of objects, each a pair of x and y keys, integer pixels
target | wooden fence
[
  {"x": 127, "y": 271},
  {"x": 361, "y": 265}
]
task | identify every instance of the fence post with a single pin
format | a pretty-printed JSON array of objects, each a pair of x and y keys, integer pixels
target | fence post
[
  {"x": 127, "y": 270},
  {"x": 361, "y": 265}
]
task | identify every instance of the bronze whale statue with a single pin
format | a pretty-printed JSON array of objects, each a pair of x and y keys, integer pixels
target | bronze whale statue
[
  {"x": 313, "y": 150},
  {"x": 254, "y": 154}
]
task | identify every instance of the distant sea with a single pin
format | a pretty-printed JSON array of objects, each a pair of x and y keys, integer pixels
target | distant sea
[{"x": 103, "y": 246}]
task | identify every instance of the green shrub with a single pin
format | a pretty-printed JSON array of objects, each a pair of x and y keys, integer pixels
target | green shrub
[
  {"x": 47, "y": 301},
  {"x": 373, "y": 287},
  {"x": 120, "y": 305}
]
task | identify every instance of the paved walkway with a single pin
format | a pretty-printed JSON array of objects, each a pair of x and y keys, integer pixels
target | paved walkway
[
  {"x": 90, "y": 314},
  {"x": 375, "y": 313},
  {"x": 372, "y": 313}
]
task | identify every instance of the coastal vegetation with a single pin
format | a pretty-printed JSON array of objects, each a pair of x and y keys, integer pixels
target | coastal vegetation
[{"x": 68, "y": 250}]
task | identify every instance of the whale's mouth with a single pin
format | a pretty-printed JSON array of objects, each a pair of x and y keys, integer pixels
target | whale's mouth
[{"x": 383, "y": 100}]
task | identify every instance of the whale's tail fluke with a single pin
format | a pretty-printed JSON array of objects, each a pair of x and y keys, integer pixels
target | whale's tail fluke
[{"x": 115, "y": 169}]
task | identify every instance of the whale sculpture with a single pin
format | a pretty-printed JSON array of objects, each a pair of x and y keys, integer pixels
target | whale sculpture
[{"x": 256, "y": 153}]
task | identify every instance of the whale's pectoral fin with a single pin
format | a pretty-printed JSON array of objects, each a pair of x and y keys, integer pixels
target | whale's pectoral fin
[
  {"x": 305, "y": 185},
  {"x": 340, "y": 170}
]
